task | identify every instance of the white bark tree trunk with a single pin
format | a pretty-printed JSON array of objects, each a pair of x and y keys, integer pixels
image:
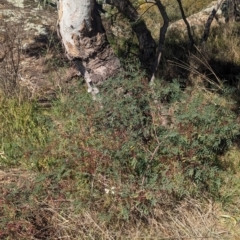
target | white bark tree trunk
[{"x": 83, "y": 36}]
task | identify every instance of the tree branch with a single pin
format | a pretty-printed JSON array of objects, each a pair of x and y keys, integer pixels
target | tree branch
[
  {"x": 147, "y": 44},
  {"x": 209, "y": 22},
  {"x": 187, "y": 24},
  {"x": 162, "y": 34}
]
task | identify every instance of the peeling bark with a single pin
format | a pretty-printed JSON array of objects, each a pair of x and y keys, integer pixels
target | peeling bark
[{"x": 83, "y": 36}]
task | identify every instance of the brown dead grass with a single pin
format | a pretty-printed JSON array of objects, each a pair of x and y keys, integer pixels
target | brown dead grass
[{"x": 58, "y": 218}]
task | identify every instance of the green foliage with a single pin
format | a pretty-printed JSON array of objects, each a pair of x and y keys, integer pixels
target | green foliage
[
  {"x": 23, "y": 130},
  {"x": 197, "y": 131},
  {"x": 135, "y": 133},
  {"x": 135, "y": 150}
]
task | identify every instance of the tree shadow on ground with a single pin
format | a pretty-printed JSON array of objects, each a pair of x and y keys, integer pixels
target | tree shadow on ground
[{"x": 43, "y": 43}]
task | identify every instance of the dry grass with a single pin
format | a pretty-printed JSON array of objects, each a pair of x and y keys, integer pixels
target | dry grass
[
  {"x": 227, "y": 38},
  {"x": 61, "y": 218},
  {"x": 10, "y": 54},
  {"x": 189, "y": 220}
]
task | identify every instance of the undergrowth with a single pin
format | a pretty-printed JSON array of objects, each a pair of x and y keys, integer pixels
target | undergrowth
[
  {"x": 123, "y": 158},
  {"x": 140, "y": 162},
  {"x": 23, "y": 130}
]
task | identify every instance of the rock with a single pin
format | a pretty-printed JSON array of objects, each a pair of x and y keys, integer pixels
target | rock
[
  {"x": 197, "y": 21},
  {"x": 28, "y": 38},
  {"x": 227, "y": 11}
]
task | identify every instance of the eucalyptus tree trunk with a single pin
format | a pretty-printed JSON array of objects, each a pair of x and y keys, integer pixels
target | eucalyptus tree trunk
[{"x": 83, "y": 36}]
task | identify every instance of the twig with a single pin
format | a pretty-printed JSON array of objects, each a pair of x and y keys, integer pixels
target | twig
[{"x": 209, "y": 22}]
